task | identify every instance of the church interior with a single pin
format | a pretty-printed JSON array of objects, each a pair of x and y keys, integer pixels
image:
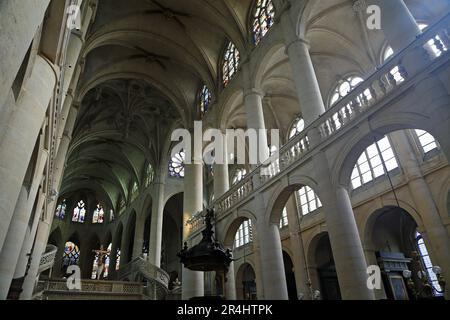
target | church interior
[{"x": 352, "y": 202}]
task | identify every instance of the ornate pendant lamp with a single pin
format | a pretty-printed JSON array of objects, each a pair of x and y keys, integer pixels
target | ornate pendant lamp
[{"x": 209, "y": 254}]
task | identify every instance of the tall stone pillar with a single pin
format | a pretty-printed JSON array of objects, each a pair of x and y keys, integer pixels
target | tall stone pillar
[
  {"x": 72, "y": 55},
  {"x": 423, "y": 199},
  {"x": 19, "y": 21},
  {"x": 67, "y": 107},
  {"x": 60, "y": 160},
  {"x": 125, "y": 253},
  {"x": 10, "y": 252},
  {"x": 351, "y": 266},
  {"x": 43, "y": 226},
  {"x": 27, "y": 246},
  {"x": 401, "y": 29},
  {"x": 306, "y": 84},
  {"x": 192, "y": 281},
  {"x": 271, "y": 258},
  {"x": 221, "y": 177},
  {"x": 299, "y": 254},
  {"x": 397, "y": 23},
  {"x": 138, "y": 242},
  {"x": 39, "y": 247},
  {"x": 156, "y": 223},
  {"x": 20, "y": 137},
  {"x": 230, "y": 283},
  {"x": 255, "y": 113}
]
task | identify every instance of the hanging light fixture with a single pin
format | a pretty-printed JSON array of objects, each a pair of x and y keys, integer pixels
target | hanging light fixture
[{"x": 209, "y": 254}]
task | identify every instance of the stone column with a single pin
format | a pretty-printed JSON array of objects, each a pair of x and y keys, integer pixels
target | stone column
[
  {"x": 401, "y": 29},
  {"x": 19, "y": 21},
  {"x": 423, "y": 199},
  {"x": 230, "y": 283},
  {"x": 20, "y": 137},
  {"x": 125, "y": 246},
  {"x": 271, "y": 257},
  {"x": 71, "y": 64},
  {"x": 39, "y": 247},
  {"x": 299, "y": 254},
  {"x": 138, "y": 242},
  {"x": 67, "y": 107},
  {"x": 5, "y": 112},
  {"x": 221, "y": 177},
  {"x": 60, "y": 160},
  {"x": 351, "y": 266},
  {"x": 29, "y": 239},
  {"x": 192, "y": 281},
  {"x": 156, "y": 223},
  {"x": 255, "y": 113},
  {"x": 221, "y": 186},
  {"x": 255, "y": 120},
  {"x": 306, "y": 84},
  {"x": 397, "y": 23},
  {"x": 10, "y": 252}
]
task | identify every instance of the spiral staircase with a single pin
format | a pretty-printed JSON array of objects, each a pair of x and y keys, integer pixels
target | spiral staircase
[{"x": 137, "y": 280}]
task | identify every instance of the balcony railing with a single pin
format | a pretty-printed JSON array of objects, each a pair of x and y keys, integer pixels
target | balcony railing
[
  {"x": 48, "y": 258},
  {"x": 431, "y": 45},
  {"x": 58, "y": 289}
]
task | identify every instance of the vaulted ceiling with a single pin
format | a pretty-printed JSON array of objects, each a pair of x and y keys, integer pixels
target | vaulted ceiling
[{"x": 145, "y": 61}]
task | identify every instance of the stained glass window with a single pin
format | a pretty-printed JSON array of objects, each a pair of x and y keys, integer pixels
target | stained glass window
[
  {"x": 176, "y": 165},
  {"x": 71, "y": 254},
  {"x": 98, "y": 215},
  {"x": 427, "y": 141},
  {"x": 370, "y": 164},
  {"x": 121, "y": 204},
  {"x": 79, "y": 212},
  {"x": 205, "y": 99},
  {"x": 263, "y": 19},
  {"x": 134, "y": 191},
  {"x": 297, "y": 127},
  {"x": 244, "y": 234},
  {"x": 307, "y": 200},
  {"x": 230, "y": 63},
  {"x": 60, "y": 212},
  {"x": 111, "y": 215},
  {"x": 239, "y": 175},
  {"x": 284, "y": 218},
  {"x": 427, "y": 264}
]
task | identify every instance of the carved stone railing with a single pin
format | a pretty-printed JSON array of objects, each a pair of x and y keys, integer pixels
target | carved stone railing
[
  {"x": 48, "y": 258},
  {"x": 431, "y": 45},
  {"x": 58, "y": 289},
  {"x": 141, "y": 270}
]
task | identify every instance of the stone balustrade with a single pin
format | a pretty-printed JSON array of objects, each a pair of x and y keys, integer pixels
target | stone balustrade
[
  {"x": 48, "y": 258},
  {"x": 90, "y": 289}
]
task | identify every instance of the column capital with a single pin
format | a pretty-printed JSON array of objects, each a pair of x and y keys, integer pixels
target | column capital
[
  {"x": 299, "y": 40},
  {"x": 253, "y": 91}
]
